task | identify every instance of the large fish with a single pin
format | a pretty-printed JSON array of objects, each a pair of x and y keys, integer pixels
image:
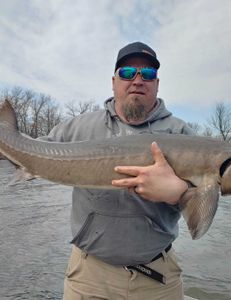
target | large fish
[{"x": 204, "y": 162}]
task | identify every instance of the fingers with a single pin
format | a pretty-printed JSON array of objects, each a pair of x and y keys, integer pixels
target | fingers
[
  {"x": 141, "y": 176},
  {"x": 126, "y": 182},
  {"x": 129, "y": 182},
  {"x": 157, "y": 154},
  {"x": 128, "y": 170},
  {"x": 136, "y": 170}
]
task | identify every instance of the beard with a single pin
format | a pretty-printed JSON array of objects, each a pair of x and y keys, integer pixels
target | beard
[{"x": 134, "y": 111}]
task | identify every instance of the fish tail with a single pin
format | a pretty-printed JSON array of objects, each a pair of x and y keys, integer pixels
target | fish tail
[
  {"x": 8, "y": 116},
  {"x": 199, "y": 206}
]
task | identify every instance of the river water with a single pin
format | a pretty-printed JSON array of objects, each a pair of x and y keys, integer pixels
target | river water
[{"x": 35, "y": 234}]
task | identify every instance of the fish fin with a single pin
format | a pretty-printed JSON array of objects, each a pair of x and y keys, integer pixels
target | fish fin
[
  {"x": 199, "y": 205},
  {"x": 8, "y": 115},
  {"x": 21, "y": 175}
]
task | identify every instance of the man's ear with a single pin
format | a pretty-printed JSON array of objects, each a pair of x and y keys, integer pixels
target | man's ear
[
  {"x": 113, "y": 82},
  {"x": 158, "y": 81}
]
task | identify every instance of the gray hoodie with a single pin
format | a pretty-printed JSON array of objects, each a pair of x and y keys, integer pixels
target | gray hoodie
[{"x": 118, "y": 227}]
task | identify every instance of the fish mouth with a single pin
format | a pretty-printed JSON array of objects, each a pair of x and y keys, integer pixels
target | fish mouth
[{"x": 226, "y": 164}]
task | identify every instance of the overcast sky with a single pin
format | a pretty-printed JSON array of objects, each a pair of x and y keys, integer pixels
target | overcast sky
[{"x": 67, "y": 48}]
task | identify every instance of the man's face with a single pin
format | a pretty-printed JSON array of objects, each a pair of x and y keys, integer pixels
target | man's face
[{"x": 134, "y": 99}]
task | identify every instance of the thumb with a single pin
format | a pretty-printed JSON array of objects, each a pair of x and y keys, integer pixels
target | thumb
[{"x": 157, "y": 154}]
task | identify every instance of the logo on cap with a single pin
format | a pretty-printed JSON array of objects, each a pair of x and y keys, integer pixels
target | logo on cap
[{"x": 145, "y": 51}]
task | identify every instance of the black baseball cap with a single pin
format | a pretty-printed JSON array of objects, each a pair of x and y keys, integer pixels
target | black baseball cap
[{"x": 135, "y": 49}]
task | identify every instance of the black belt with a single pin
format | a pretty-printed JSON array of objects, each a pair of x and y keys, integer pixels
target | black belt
[
  {"x": 148, "y": 271},
  {"x": 161, "y": 254}
]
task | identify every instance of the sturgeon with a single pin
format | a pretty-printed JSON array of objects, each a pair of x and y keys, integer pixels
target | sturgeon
[{"x": 203, "y": 162}]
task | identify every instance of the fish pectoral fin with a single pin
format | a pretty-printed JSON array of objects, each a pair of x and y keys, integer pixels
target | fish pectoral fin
[
  {"x": 199, "y": 205},
  {"x": 21, "y": 175}
]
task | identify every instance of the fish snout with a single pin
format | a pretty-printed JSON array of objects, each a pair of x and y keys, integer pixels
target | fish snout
[{"x": 226, "y": 177}]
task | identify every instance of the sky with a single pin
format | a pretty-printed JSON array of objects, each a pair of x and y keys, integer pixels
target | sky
[{"x": 67, "y": 48}]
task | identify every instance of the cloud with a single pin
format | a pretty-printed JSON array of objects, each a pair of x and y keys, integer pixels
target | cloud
[
  {"x": 58, "y": 48},
  {"x": 67, "y": 48},
  {"x": 194, "y": 48}
]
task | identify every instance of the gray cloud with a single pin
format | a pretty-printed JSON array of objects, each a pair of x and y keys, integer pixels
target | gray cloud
[
  {"x": 194, "y": 46},
  {"x": 67, "y": 48}
]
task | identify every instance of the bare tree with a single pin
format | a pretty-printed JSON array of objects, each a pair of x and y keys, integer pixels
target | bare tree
[
  {"x": 207, "y": 131},
  {"x": 36, "y": 107},
  {"x": 221, "y": 121},
  {"x": 74, "y": 108},
  {"x": 23, "y": 111},
  {"x": 195, "y": 127},
  {"x": 21, "y": 101},
  {"x": 36, "y": 113},
  {"x": 71, "y": 109},
  {"x": 50, "y": 116}
]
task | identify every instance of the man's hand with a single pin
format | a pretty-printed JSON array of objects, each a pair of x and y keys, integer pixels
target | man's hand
[{"x": 157, "y": 183}]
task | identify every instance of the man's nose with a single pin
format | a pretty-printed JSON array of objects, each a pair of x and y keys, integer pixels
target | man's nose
[{"x": 138, "y": 79}]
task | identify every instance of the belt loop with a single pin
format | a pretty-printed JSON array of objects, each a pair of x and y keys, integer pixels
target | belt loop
[
  {"x": 84, "y": 254},
  {"x": 165, "y": 256},
  {"x": 128, "y": 270}
]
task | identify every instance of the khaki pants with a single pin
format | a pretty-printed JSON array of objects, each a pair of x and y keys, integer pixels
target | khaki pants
[{"x": 89, "y": 278}]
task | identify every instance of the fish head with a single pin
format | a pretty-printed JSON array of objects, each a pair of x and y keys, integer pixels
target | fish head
[{"x": 225, "y": 181}]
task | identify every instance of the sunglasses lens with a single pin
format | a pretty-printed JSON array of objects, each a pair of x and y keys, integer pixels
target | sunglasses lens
[
  {"x": 149, "y": 73},
  {"x": 127, "y": 73}
]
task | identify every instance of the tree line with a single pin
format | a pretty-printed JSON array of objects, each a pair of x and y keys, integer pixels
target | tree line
[
  {"x": 218, "y": 124},
  {"x": 38, "y": 113}
]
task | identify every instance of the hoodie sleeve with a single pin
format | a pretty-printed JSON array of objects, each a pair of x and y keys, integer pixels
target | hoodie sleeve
[
  {"x": 57, "y": 133},
  {"x": 187, "y": 130}
]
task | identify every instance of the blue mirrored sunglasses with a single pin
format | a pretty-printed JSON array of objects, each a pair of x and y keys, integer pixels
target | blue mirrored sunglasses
[{"x": 129, "y": 73}]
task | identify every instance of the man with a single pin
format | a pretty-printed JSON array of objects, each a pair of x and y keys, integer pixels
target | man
[{"x": 122, "y": 237}]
